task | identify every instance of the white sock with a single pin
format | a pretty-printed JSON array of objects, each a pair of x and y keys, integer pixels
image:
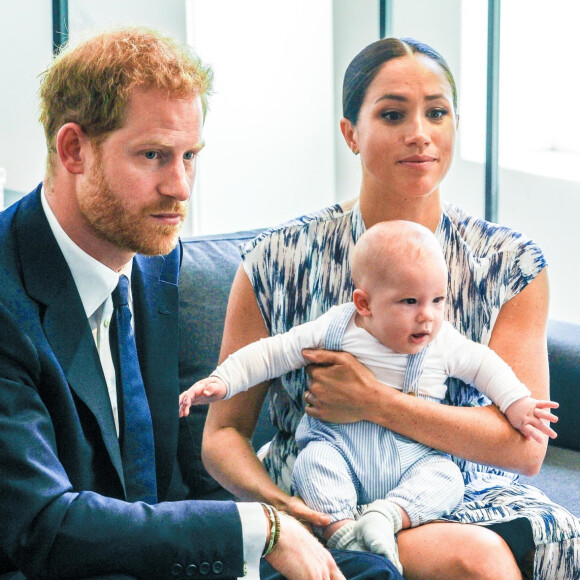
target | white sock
[
  {"x": 345, "y": 538},
  {"x": 377, "y": 527}
]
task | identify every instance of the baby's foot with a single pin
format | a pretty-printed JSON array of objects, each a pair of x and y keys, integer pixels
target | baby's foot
[
  {"x": 345, "y": 538},
  {"x": 376, "y": 530}
]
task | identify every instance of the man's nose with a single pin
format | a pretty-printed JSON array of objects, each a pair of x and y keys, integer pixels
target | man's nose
[{"x": 177, "y": 181}]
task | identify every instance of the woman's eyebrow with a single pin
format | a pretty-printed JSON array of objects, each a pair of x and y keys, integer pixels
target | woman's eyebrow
[{"x": 404, "y": 99}]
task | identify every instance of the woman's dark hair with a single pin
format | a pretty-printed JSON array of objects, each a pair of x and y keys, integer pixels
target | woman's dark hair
[{"x": 367, "y": 63}]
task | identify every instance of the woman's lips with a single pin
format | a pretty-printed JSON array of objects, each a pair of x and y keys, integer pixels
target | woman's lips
[{"x": 418, "y": 161}]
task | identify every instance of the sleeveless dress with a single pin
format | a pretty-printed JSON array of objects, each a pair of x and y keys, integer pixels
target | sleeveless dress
[{"x": 301, "y": 269}]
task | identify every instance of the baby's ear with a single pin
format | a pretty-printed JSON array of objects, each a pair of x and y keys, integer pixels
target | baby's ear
[{"x": 361, "y": 302}]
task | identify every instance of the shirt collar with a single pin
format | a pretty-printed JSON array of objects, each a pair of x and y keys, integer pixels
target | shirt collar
[{"x": 94, "y": 280}]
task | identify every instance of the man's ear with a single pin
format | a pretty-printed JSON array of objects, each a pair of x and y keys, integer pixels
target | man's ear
[
  {"x": 348, "y": 132},
  {"x": 361, "y": 302},
  {"x": 71, "y": 144}
]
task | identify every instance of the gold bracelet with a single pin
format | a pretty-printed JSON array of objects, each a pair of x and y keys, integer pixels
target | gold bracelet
[{"x": 274, "y": 518}]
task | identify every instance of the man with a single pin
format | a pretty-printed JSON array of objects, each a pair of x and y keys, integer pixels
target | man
[{"x": 88, "y": 361}]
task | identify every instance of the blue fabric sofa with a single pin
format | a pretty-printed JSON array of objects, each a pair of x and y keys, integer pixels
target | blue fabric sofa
[{"x": 209, "y": 264}]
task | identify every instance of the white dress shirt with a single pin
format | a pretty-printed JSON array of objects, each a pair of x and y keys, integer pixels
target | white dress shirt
[{"x": 95, "y": 283}]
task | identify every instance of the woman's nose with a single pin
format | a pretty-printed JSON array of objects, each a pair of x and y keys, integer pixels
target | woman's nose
[{"x": 418, "y": 132}]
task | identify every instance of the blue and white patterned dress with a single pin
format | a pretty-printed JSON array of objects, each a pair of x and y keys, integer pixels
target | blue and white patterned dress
[{"x": 302, "y": 268}]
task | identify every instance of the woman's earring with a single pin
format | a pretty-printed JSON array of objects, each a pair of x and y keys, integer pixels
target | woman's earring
[{"x": 355, "y": 150}]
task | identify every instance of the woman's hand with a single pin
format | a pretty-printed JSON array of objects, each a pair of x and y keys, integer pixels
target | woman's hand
[
  {"x": 296, "y": 507},
  {"x": 354, "y": 388}
]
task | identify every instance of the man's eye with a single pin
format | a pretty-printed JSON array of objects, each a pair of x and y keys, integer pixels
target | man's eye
[
  {"x": 151, "y": 154},
  {"x": 189, "y": 155}
]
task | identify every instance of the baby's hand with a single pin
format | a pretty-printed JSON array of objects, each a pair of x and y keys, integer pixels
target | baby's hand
[
  {"x": 531, "y": 418},
  {"x": 201, "y": 393}
]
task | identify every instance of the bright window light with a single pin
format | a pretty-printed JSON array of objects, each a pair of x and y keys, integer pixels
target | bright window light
[{"x": 539, "y": 86}]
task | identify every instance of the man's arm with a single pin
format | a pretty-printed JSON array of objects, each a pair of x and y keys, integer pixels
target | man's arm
[{"x": 51, "y": 529}]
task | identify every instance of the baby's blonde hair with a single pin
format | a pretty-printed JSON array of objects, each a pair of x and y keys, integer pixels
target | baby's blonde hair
[{"x": 385, "y": 244}]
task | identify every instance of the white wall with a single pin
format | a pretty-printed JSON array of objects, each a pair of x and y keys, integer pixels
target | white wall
[
  {"x": 26, "y": 49},
  {"x": 269, "y": 132},
  {"x": 356, "y": 24}
]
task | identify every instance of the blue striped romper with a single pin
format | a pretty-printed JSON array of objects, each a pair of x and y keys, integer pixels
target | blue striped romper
[{"x": 342, "y": 466}]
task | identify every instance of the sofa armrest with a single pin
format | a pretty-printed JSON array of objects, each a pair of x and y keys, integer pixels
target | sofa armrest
[{"x": 564, "y": 358}]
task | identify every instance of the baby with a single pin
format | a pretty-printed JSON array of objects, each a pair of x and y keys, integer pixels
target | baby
[{"x": 372, "y": 481}]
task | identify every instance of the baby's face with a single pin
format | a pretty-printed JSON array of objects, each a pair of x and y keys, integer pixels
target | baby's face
[{"x": 407, "y": 308}]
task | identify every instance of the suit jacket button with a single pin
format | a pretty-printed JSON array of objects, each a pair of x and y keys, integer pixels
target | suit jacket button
[
  {"x": 191, "y": 570},
  {"x": 204, "y": 568},
  {"x": 176, "y": 569}
]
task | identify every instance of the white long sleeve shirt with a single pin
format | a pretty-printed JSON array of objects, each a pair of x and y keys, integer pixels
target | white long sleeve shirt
[{"x": 450, "y": 355}]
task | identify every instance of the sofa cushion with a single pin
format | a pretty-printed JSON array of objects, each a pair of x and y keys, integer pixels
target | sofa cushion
[{"x": 208, "y": 268}]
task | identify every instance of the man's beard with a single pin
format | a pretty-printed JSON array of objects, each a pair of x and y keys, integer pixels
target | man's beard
[{"x": 105, "y": 211}]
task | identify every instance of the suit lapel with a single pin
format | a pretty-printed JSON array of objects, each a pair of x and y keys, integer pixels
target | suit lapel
[{"x": 48, "y": 281}]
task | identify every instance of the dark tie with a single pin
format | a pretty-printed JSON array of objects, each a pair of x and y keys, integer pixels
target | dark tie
[{"x": 137, "y": 447}]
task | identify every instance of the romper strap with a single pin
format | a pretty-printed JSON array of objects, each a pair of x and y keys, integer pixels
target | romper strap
[
  {"x": 337, "y": 326},
  {"x": 414, "y": 370}
]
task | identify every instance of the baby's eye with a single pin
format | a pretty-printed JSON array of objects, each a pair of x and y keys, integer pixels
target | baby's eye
[
  {"x": 439, "y": 299},
  {"x": 409, "y": 301}
]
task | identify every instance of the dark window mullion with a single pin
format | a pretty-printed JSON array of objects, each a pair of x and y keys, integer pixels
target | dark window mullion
[
  {"x": 59, "y": 24},
  {"x": 385, "y": 18},
  {"x": 492, "y": 124}
]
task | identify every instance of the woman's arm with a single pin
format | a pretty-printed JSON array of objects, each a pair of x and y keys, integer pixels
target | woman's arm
[
  {"x": 227, "y": 450},
  {"x": 345, "y": 391}
]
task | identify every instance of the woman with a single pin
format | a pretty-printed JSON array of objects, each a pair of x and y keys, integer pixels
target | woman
[{"x": 399, "y": 104}]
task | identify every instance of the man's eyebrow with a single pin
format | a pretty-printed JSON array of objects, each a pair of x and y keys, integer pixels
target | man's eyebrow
[{"x": 152, "y": 143}]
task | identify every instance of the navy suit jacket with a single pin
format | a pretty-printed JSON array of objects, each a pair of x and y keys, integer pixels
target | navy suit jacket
[{"x": 62, "y": 498}]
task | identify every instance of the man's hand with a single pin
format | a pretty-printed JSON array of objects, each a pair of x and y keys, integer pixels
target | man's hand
[
  {"x": 531, "y": 417},
  {"x": 201, "y": 393},
  {"x": 298, "y": 555}
]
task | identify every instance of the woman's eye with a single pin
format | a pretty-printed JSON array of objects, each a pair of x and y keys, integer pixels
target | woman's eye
[
  {"x": 391, "y": 115},
  {"x": 437, "y": 113},
  {"x": 151, "y": 154}
]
